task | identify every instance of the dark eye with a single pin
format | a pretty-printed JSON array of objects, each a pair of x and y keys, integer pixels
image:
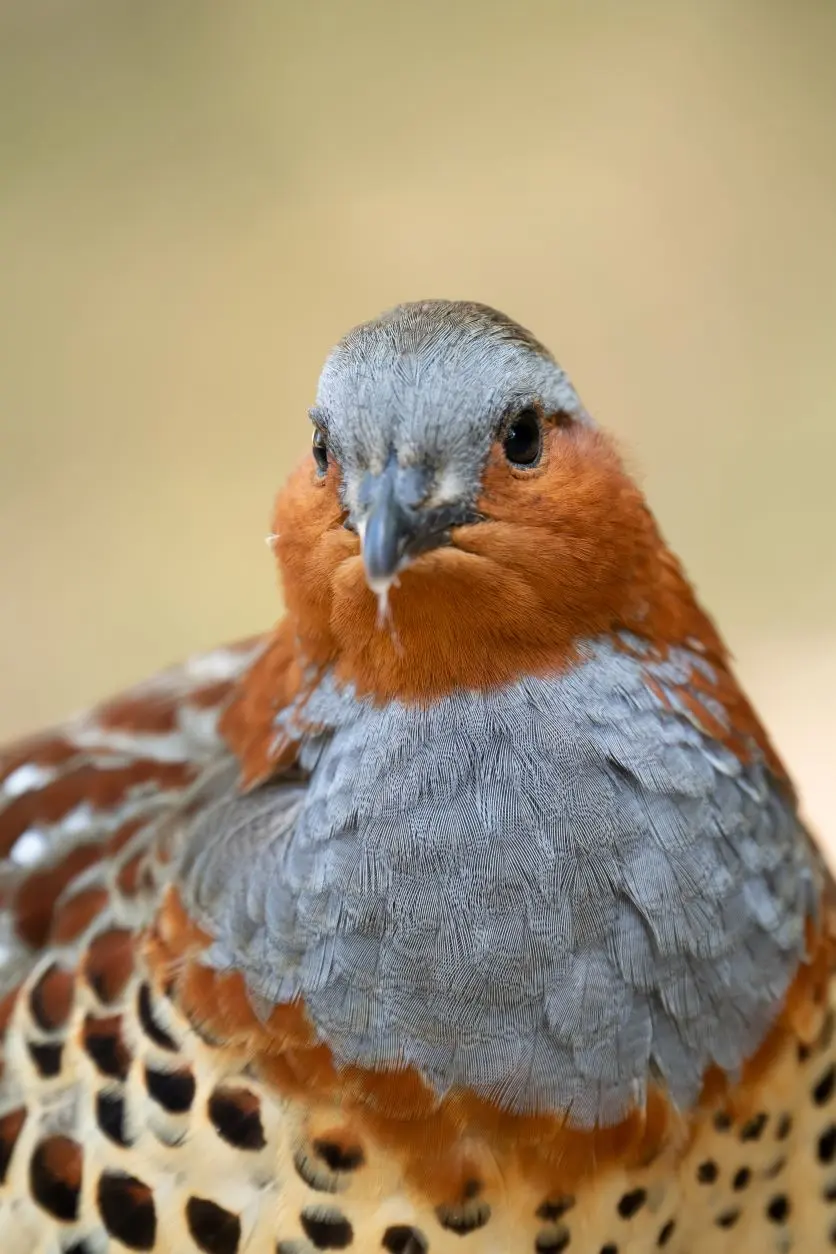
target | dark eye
[
  {"x": 523, "y": 441},
  {"x": 320, "y": 450}
]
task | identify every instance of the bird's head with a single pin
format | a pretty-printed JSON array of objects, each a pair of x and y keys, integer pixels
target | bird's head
[
  {"x": 461, "y": 519},
  {"x": 409, "y": 411}
]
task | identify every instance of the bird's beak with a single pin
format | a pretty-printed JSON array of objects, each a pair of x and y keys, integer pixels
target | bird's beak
[
  {"x": 396, "y": 524},
  {"x": 390, "y": 524}
]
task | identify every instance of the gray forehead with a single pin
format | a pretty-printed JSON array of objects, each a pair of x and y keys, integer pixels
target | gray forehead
[{"x": 432, "y": 380}]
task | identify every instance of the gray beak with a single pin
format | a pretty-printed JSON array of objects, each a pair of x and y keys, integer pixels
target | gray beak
[
  {"x": 395, "y": 523},
  {"x": 392, "y": 522}
]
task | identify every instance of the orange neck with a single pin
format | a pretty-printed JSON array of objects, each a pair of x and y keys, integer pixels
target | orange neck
[{"x": 518, "y": 595}]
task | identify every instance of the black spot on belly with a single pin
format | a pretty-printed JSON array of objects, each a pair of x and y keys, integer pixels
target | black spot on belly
[
  {"x": 631, "y": 1202},
  {"x": 213, "y": 1229},
  {"x": 235, "y": 1114},
  {"x": 402, "y": 1239},
  {"x": 173, "y": 1090},
  {"x": 149, "y": 1025},
  {"x": 126, "y": 1207},
  {"x": 55, "y": 1177},
  {"x": 327, "y": 1229}
]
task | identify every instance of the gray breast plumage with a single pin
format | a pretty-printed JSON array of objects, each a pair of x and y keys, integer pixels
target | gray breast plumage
[{"x": 550, "y": 893}]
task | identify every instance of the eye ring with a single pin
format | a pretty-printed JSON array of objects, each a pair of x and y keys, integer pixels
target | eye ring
[
  {"x": 319, "y": 447},
  {"x": 522, "y": 442}
]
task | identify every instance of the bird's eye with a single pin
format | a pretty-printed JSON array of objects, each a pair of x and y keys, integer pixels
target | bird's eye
[
  {"x": 320, "y": 450},
  {"x": 523, "y": 441}
]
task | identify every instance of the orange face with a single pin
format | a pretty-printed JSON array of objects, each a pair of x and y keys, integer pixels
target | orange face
[{"x": 564, "y": 550}]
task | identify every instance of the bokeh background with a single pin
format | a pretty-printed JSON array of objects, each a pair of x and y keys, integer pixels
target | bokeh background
[{"x": 198, "y": 197}]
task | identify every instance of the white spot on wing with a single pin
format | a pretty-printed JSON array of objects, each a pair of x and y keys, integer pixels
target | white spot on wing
[
  {"x": 29, "y": 848},
  {"x": 165, "y": 747},
  {"x": 194, "y": 739},
  {"x": 26, "y": 778},
  {"x": 80, "y": 819},
  {"x": 220, "y": 664},
  {"x": 200, "y": 726}
]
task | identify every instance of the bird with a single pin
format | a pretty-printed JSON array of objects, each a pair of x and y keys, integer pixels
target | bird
[{"x": 468, "y": 909}]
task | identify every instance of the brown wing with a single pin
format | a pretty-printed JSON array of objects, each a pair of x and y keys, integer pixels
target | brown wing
[{"x": 74, "y": 797}]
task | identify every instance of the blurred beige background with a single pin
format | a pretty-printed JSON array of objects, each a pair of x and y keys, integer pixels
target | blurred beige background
[{"x": 197, "y": 198}]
